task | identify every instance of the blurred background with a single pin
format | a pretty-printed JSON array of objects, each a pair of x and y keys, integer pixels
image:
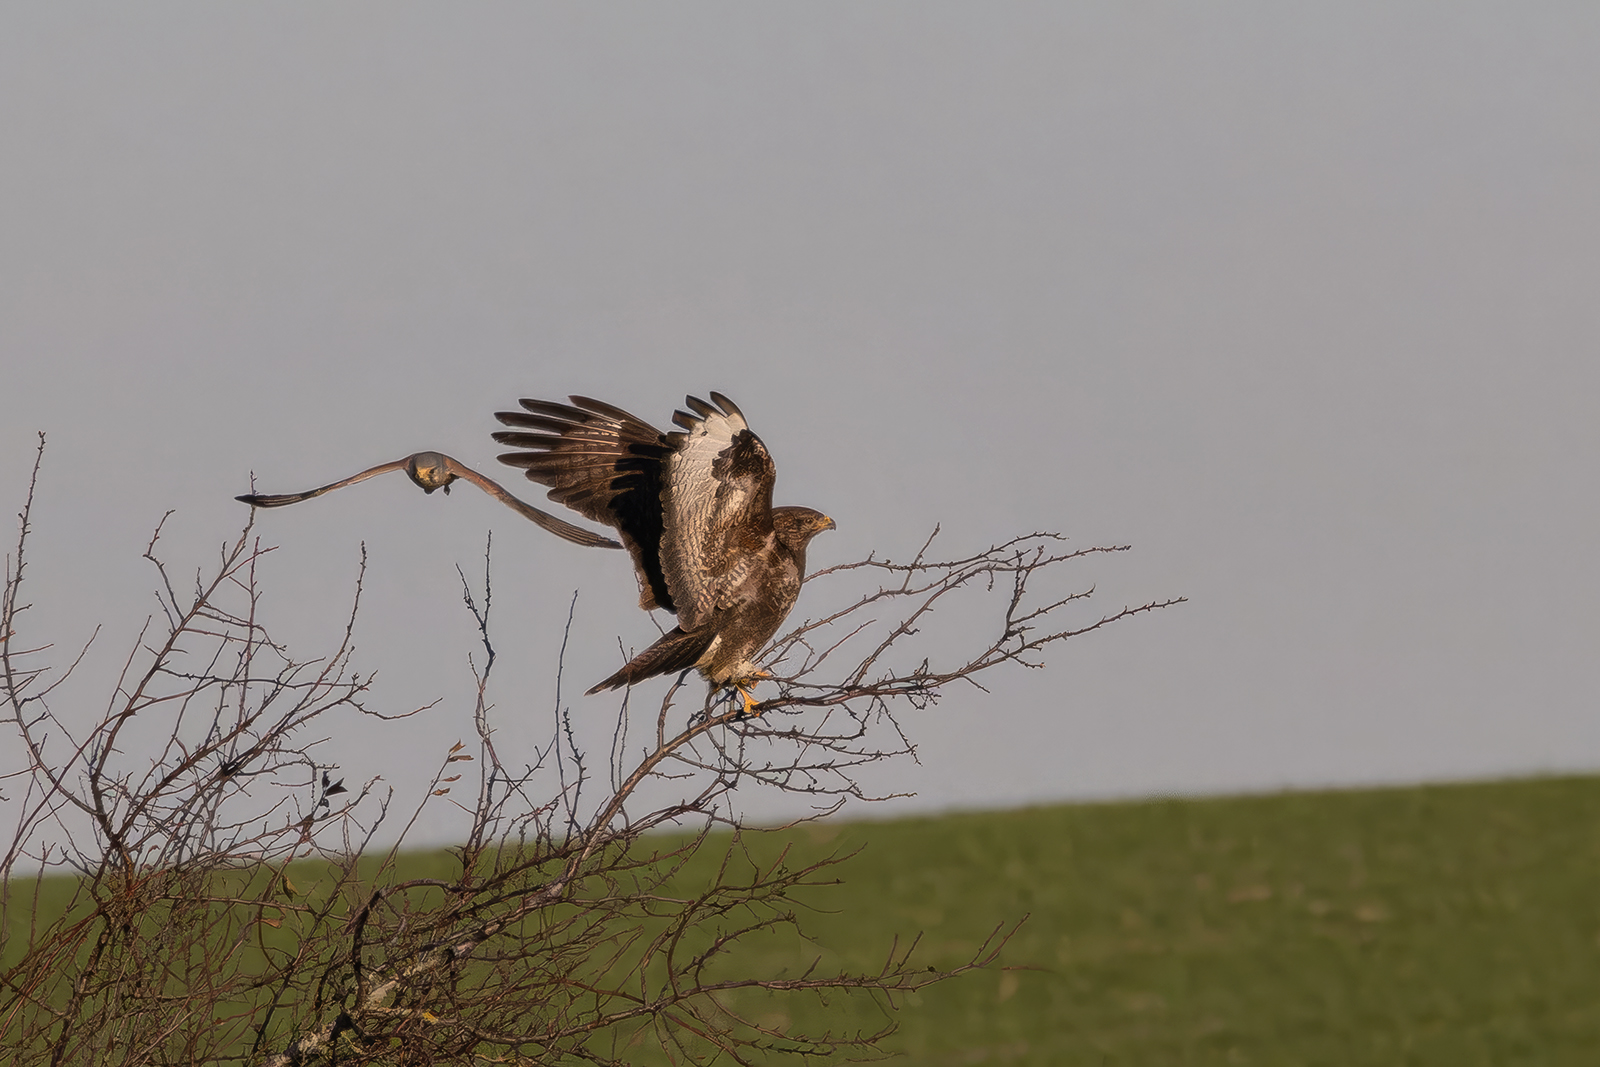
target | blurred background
[{"x": 1298, "y": 301}]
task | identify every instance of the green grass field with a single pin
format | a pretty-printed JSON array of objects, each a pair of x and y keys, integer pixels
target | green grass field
[{"x": 1450, "y": 925}]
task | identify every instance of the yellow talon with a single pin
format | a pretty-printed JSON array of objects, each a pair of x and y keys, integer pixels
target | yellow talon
[{"x": 749, "y": 702}]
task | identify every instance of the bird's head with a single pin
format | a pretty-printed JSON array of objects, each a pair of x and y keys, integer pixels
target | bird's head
[
  {"x": 430, "y": 470},
  {"x": 797, "y": 526}
]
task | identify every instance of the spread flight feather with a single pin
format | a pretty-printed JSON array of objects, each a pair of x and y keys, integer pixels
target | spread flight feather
[{"x": 693, "y": 508}]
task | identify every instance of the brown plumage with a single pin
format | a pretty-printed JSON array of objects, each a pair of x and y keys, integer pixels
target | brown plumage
[{"x": 694, "y": 510}]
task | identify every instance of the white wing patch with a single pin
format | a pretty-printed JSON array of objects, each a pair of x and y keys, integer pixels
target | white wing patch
[
  {"x": 706, "y": 501},
  {"x": 691, "y": 501}
]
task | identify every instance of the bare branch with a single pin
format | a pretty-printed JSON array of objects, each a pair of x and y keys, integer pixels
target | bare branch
[{"x": 228, "y": 904}]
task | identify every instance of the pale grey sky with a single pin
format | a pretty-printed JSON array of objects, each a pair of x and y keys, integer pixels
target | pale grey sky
[{"x": 1300, "y": 300}]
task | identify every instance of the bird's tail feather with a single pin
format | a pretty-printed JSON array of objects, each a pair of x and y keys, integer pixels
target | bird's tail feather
[{"x": 676, "y": 651}]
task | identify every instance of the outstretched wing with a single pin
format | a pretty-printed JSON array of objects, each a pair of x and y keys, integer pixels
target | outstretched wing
[
  {"x": 717, "y": 503},
  {"x": 435, "y": 470},
  {"x": 604, "y": 464}
]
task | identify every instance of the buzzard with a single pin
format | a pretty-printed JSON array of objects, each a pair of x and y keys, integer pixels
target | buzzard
[{"x": 693, "y": 508}]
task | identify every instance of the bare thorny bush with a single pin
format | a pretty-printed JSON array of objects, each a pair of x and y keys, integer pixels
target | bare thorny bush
[{"x": 226, "y": 904}]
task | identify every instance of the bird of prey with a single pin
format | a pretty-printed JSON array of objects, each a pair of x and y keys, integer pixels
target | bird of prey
[
  {"x": 693, "y": 508},
  {"x": 435, "y": 470}
]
